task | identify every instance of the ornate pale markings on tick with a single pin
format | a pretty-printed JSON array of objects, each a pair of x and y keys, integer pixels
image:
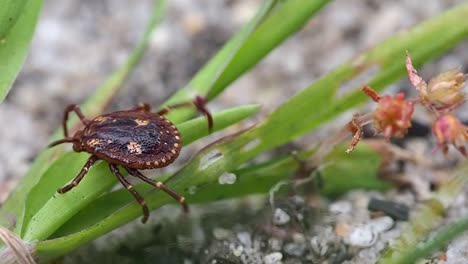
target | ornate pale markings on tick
[
  {"x": 135, "y": 139},
  {"x": 100, "y": 119},
  {"x": 134, "y": 147},
  {"x": 94, "y": 142},
  {"x": 141, "y": 122}
]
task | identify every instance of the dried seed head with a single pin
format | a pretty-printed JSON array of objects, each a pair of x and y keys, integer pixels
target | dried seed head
[
  {"x": 393, "y": 115},
  {"x": 448, "y": 130},
  {"x": 444, "y": 92}
]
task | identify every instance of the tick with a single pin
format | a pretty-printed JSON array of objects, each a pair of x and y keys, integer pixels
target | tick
[{"x": 134, "y": 139}]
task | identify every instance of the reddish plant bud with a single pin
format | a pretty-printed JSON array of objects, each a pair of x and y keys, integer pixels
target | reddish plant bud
[
  {"x": 448, "y": 130},
  {"x": 393, "y": 115}
]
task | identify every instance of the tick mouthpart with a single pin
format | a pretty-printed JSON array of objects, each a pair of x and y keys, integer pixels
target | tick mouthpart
[{"x": 61, "y": 141}]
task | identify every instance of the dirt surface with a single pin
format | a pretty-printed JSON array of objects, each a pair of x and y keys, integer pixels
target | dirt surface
[{"x": 79, "y": 43}]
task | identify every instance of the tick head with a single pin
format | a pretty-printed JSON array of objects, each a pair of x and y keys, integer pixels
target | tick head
[{"x": 78, "y": 144}]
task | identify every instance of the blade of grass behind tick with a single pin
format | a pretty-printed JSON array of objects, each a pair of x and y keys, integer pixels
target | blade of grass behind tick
[
  {"x": 274, "y": 22},
  {"x": 14, "y": 46},
  {"x": 302, "y": 113},
  {"x": 46, "y": 211},
  {"x": 93, "y": 106}
]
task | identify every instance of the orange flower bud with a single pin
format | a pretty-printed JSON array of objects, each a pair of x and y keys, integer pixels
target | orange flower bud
[{"x": 393, "y": 115}]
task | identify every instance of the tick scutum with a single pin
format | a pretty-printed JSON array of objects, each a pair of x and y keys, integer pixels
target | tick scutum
[{"x": 137, "y": 140}]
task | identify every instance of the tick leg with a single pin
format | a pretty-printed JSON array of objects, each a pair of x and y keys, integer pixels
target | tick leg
[
  {"x": 199, "y": 103},
  {"x": 63, "y": 140},
  {"x": 72, "y": 108},
  {"x": 80, "y": 176},
  {"x": 143, "y": 107},
  {"x": 130, "y": 188},
  {"x": 160, "y": 186}
]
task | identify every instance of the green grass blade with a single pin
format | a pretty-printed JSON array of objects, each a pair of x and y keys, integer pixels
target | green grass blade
[
  {"x": 213, "y": 87},
  {"x": 284, "y": 19},
  {"x": 93, "y": 106},
  {"x": 15, "y": 38},
  {"x": 10, "y": 12},
  {"x": 274, "y": 23}
]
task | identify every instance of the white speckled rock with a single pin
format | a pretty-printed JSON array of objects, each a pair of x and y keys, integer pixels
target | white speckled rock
[{"x": 366, "y": 235}]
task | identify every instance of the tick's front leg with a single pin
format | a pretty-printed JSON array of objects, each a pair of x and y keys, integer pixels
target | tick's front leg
[
  {"x": 143, "y": 107},
  {"x": 80, "y": 176},
  {"x": 72, "y": 108},
  {"x": 200, "y": 104}
]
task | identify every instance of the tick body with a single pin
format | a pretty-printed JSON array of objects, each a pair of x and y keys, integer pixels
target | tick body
[{"x": 135, "y": 139}]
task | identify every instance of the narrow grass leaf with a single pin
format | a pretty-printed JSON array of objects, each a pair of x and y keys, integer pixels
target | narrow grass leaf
[
  {"x": 17, "y": 26},
  {"x": 274, "y": 22}
]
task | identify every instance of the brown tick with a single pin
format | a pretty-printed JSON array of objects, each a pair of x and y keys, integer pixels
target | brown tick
[{"x": 135, "y": 139}]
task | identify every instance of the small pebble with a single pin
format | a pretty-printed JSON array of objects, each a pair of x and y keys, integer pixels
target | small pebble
[
  {"x": 341, "y": 207},
  {"x": 298, "y": 237},
  {"x": 324, "y": 241},
  {"x": 280, "y": 217},
  {"x": 366, "y": 235},
  {"x": 245, "y": 238},
  {"x": 361, "y": 236},
  {"x": 275, "y": 244},
  {"x": 294, "y": 249},
  {"x": 381, "y": 224},
  {"x": 341, "y": 229},
  {"x": 456, "y": 251},
  {"x": 237, "y": 251},
  {"x": 273, "y": 258}
]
